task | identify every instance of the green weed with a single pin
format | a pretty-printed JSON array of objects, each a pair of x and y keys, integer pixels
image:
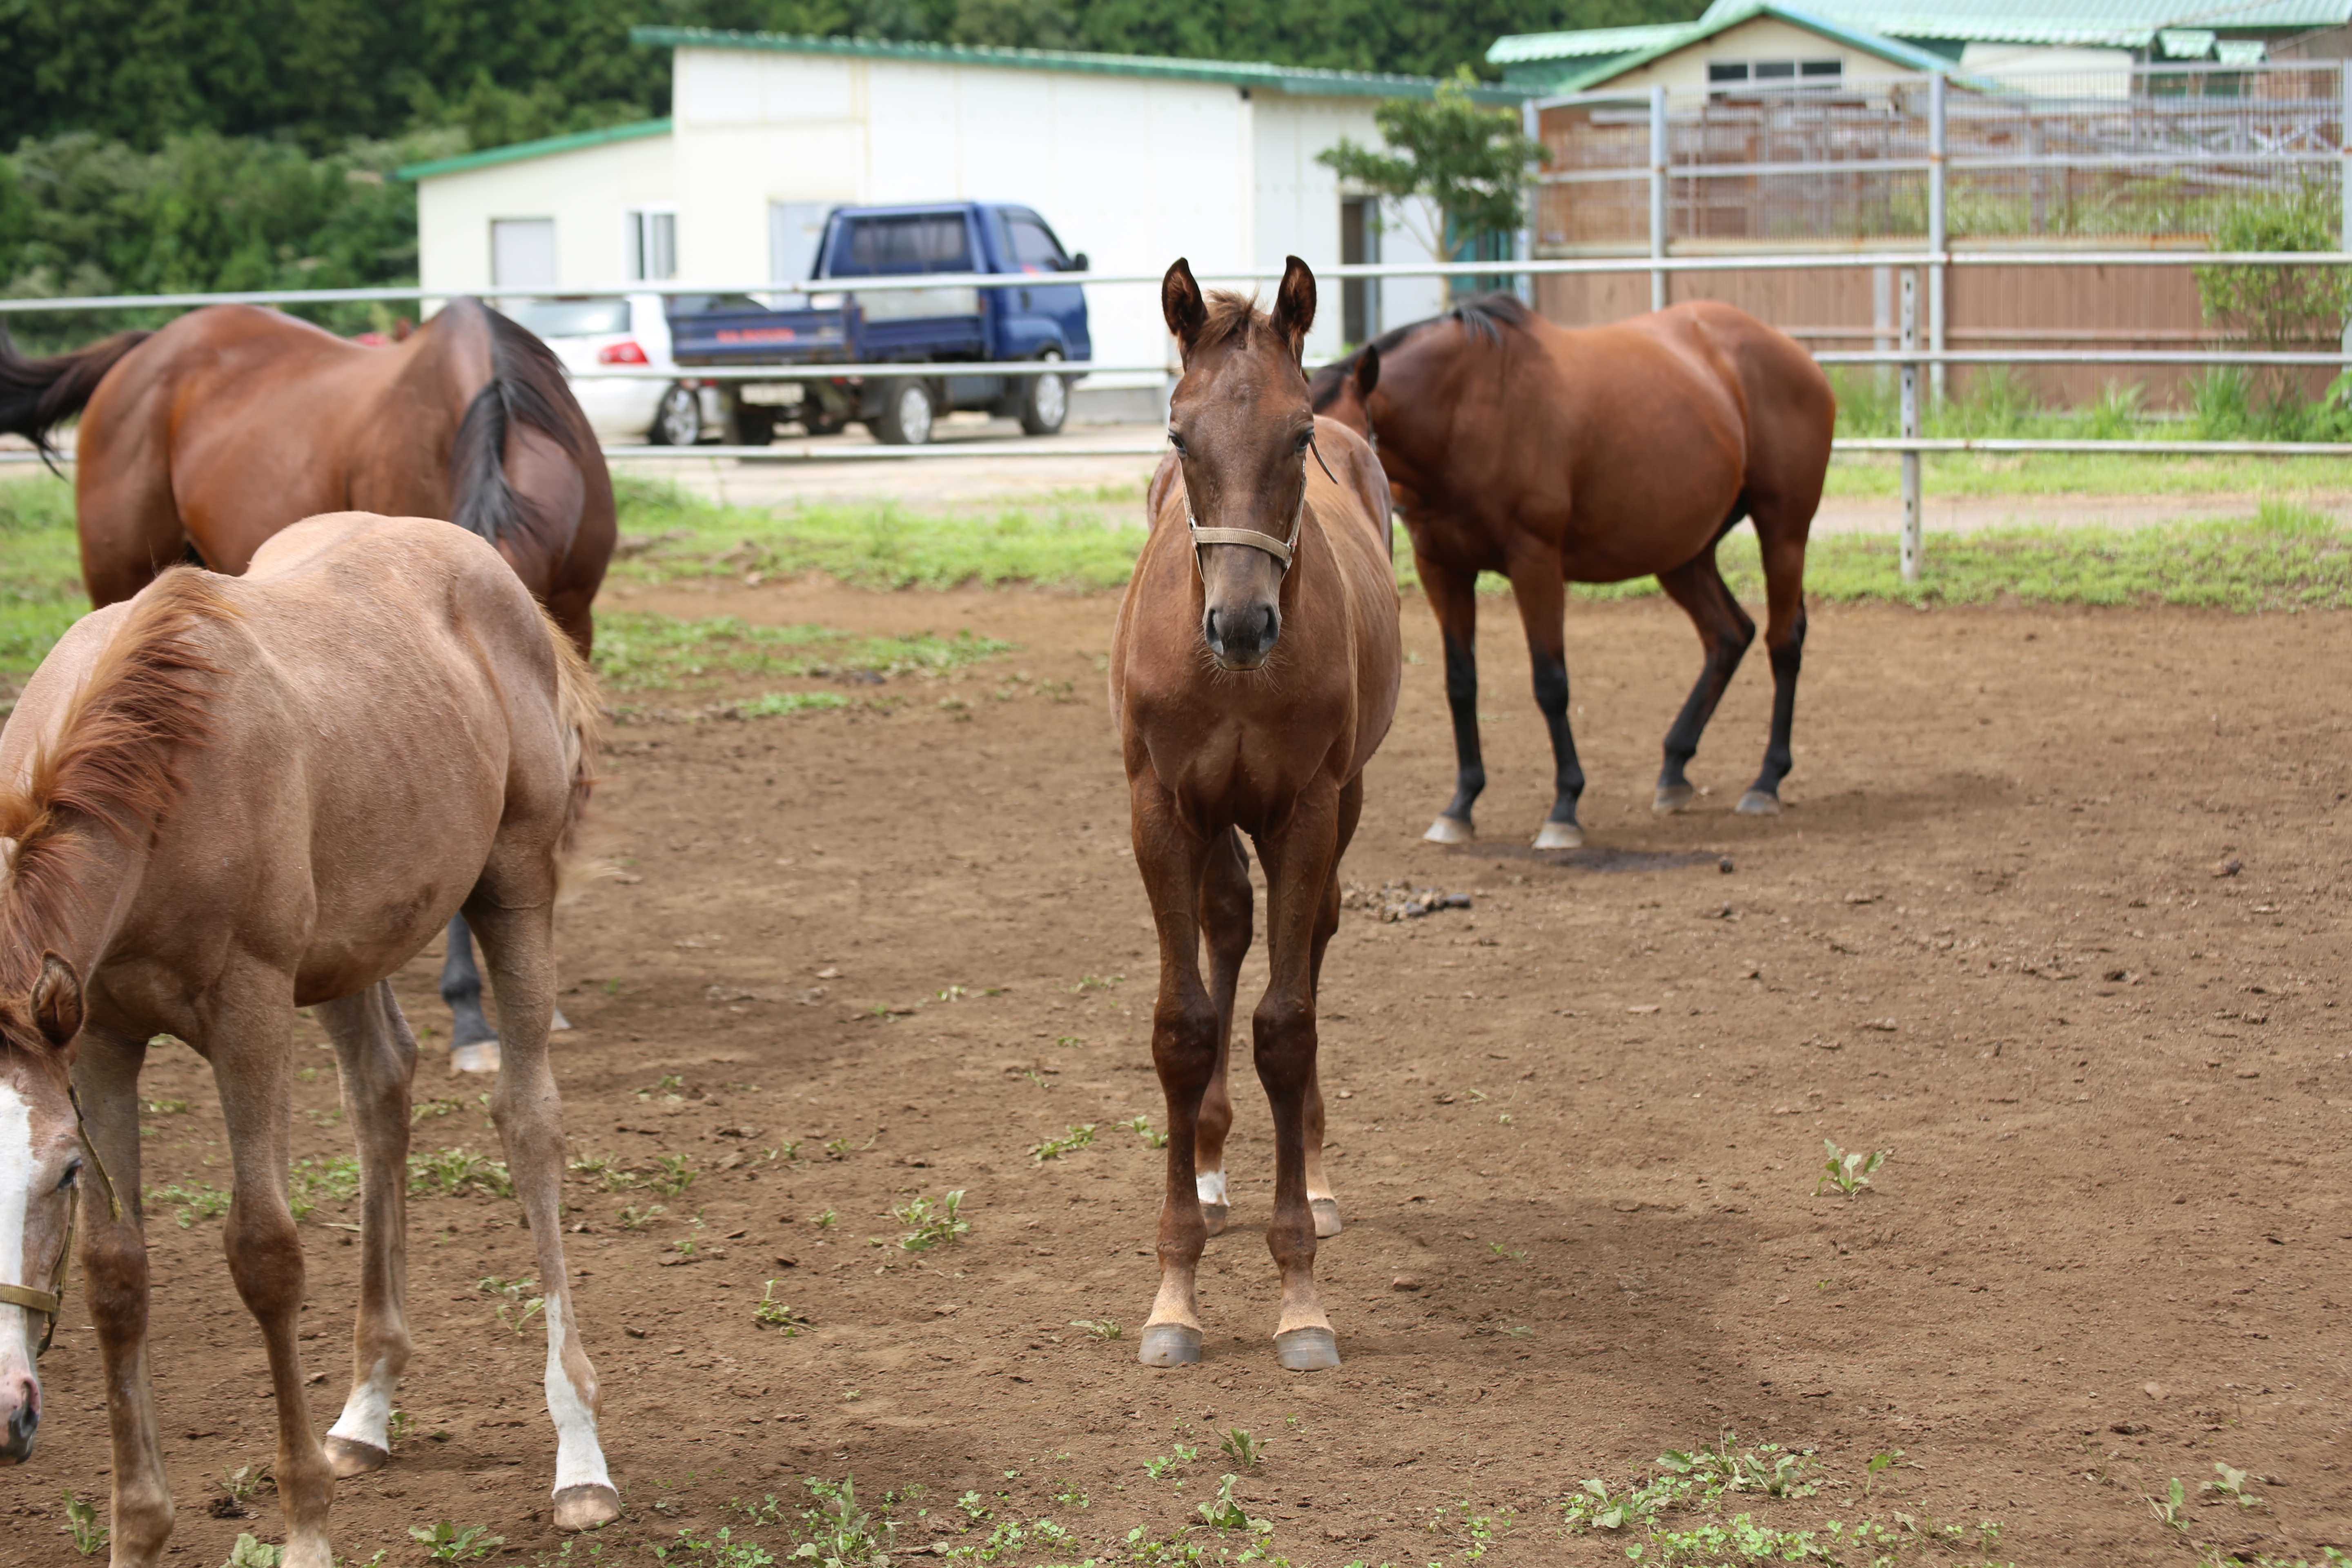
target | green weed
[
  {"x": 1099, "y": 1328},
  {"x": 2232, "y": 1488},
  {"x": 253, "y": 1553},
  {"x": 445, "y": 1542},
  {"x": 638, "y": 1216},
  {"x": 453, "y": 1172},
  {"x": 931, "y": 1225},
  {"x": 1242, "y": 1448},
  {"x": 1080, "y": 1135},
  {"x": 770, "y": 1313},
  {"x": 333, "y": 1180},
  {"x": 825, "y": 1219},
  {"x": 1471, "y": 1532},
  {"x": 190, "y": 1203},
  {"x": 1849, "y": 1174},
  {"x": 517, "y": 1305},
  {"x": 84, "y": 1523},
  {"x": 1223, "y": 1513},
  {"x": 1141, "y": 1125},
  {"x": 674, "y": 1174},
  {"x": 164, "y": 1107}
]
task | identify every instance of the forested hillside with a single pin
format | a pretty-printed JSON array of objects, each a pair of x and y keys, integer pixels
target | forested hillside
[{"x": 182, "y": 144}]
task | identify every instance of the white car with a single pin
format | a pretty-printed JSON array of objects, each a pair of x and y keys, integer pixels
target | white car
[{"x": 629, "y": 332}]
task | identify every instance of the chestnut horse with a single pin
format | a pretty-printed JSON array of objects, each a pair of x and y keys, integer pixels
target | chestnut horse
[
  {"x": 1254, "y": 671},
  {"x": 1594, "y": 456},
  {"x": 229, "y": 797},
  {"x": 200, "y": 441}
]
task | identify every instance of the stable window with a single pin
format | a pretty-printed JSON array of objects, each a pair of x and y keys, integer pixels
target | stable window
[
  {"x": 649, "y": 245},
  {"x": 522, "y": 252},
  {"x": 1776, "y": 73}
]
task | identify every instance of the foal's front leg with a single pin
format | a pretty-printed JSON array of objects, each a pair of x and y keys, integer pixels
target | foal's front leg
[
  {"x": 1225, "y": 918},
  {"x": 377, "y": 1057},
  {"x": 1184, "y": 1050}
]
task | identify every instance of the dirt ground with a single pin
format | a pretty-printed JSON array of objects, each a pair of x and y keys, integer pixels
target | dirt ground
[{"x": 1576, "y": 1129}]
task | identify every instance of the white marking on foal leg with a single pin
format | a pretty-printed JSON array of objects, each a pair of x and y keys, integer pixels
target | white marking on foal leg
[
  {"x": 1210, "y": 1185},
  {"x": 583, "y": 1493},
  {"x": 367, "y": 1413},
  {"x": 18, "y": 1335}
]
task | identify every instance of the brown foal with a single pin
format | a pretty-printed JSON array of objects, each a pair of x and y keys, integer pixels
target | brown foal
[
  {"x": 1253, "y": 672},
  {"x": 224, "y": 799}
]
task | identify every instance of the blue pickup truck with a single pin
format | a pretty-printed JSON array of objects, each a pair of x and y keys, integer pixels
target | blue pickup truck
[{"x": 947, "y": 325}]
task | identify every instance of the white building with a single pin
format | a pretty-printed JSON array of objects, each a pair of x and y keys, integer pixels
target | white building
[{"x": 1134, "y": 160}]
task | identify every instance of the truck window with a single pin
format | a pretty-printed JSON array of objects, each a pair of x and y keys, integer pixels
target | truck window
[
  {"x": 918, "y": 242},
  {"x": 1033, "y": 244}
]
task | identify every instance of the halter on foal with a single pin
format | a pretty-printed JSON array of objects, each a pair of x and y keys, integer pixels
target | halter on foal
[
  {"x": 220, "y": 801},
  {"x": 1254, "y": 671}
]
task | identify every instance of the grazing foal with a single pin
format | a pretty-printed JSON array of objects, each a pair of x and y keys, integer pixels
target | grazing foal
[
  {"x": 1253, "y": 672},
  {"x": 224, "y": 799}
]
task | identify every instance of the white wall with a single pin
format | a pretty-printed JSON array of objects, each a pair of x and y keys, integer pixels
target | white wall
[
  {"x": 1765, "y": 39},
  {"x": 585, "y": 191}
]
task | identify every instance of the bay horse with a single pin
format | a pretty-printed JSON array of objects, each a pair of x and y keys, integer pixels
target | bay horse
[
  {"x": 1254, "y": 671},
  {"x": 220, "y": 800},
  {"x": 1596, "y": 455},
  {"x": 201, "y": 441}
]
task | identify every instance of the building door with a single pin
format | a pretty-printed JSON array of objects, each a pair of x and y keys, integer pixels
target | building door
[
  {"x": 649, "y": 240},
  {"x": 795, "y": 229},
  {"x": 522, "y": 252},
  {"x": 1359, "y": 244}
]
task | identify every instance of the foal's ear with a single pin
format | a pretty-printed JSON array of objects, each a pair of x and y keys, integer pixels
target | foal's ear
[
  {"x": 1368, "y": 372},
  {"x": 1180, "y": 303},
  {"x": 56, "y": 1001},
  {"x": 1293, "y": 304}
]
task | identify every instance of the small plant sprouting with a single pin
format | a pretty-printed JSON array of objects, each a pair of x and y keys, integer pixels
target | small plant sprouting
[
  {"x": 932, "y": 1224},
  {"x": 1176, "y": 1458},
  {"x": 666, "y": 1088},
  {"x": 1878, "y": 1462},
  {"x": 1099, "y": 1328},
  {"x": 83, "y": 1523},
  {"x": 2232, "y": 1486},
  {"x": 2169, "y": 1510},
  {"x": 396, "y": 1427},
  {"x": 770, "y": 1313},
  {"x": 1142, "y": 1125},
  {"x": 1081, "y": 1135},
  {"x": 676, "y": 1175},
  {"x": 1242, "y": 1448},
  {"x": 445, "y": 1542},
  {"x": 824, "y": 1220},
  {"x": 636, "y": 1216},
  {"x": 1849, "y": 1174},
  {"x": 253, "y": 1553},
  {"x": 1094, "y": 982},
  {"x": 1221, "y": 1512}
]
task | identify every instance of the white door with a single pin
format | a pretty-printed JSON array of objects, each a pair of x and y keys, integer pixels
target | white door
[
  {"x": 794, "y": 231},
  {"x": 522, "y": 252}
]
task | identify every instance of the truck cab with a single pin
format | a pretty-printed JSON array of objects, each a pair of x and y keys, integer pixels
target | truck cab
[{"x": 954, "y": 323}]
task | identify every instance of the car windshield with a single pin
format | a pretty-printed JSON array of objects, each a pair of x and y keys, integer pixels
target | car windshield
[
  {"x": 1033, "y": 244},
  {"x": 572, "y": 318}
]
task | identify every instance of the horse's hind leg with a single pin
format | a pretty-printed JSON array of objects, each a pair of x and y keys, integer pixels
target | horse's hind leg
[
  {"x": 1724, "y": 631},
  {"x": 1542, "y": 595},
  {"x": 1454, "y": 598},
  {"x": 1784, "y": 641},
  {"x": 377, "y": 1058},
  {"x": 1225, "y": 921},
  {"x": 472, "y": 1044},
  {"x": 518, "y": 941}
]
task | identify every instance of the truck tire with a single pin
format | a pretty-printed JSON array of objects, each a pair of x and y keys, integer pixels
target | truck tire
[
  {"x": 1045, "y": 403},
  {"x": 677, "y": 420},
  {"x": 750, "y": 424},
  {"x": 907, "y": 412}
]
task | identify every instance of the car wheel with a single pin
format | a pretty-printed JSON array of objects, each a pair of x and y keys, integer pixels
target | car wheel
[
  {"x": 907, "y": 415},
  {"x": 1047, "y": 402},
  {"x": 678, "y": 421}
]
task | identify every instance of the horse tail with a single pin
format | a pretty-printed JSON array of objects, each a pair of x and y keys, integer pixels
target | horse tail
[
  {"x": 579, "y": 708},
  {"x": 36, "y": 395},
  {"x": 526, "y": 390}
]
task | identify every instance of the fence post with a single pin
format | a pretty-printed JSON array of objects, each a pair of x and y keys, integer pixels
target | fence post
[
  {"x": 1910, "y": 426},
  {"x": 1658, "y": 194},
  {"x": 2343, "y": 183},
  {"x": 1531, "y": 126},
  {"x": 1936, "y": 236}
]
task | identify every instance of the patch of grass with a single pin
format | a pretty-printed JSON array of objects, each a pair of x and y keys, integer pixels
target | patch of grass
[
  {"x": 640, "y": 650},
  {"x": 453, "y": 1172},
  {"x": 446, "y": 1542},
  {"x": 638, "y": 1216},
  {"x": 517, "y": 1305},
  {"x": 332, "y": 1180},
  {"x": 1099, "y": 1328},
  {"x": 190, "y": 1203},
  {"x": 1081, "y": 1135},
  {"x": 931, "y": 1225},
  {"x": 40, "y": 570},
  {"x": 1071, "y": 542}
]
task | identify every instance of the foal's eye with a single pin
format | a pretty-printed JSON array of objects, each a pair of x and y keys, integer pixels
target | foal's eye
[
  {"x": 1177, "y": 442},
  {"x": 73, "y": 1172},
  {"x": 1306, "y": 439}
]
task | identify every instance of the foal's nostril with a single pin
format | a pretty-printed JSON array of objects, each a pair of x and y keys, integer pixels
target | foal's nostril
[{"x": 22, "y": 1422}]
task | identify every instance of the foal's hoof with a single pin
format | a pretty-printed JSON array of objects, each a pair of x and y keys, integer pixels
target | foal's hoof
[
  {"x": 482, "y": 1056},
  {"x": 1307, "y": 1350},
  {"x": 347, "y": 1457},
  {"x": 1671, "y": 798},
  {"x": 1758, "y": 803},
  {"x": 1451, "y": 830},
  {"x": 1327, "y": 1217},
  {"x": 1169, "y": 1344},
  {"x": 585, "y": 1508},
  {"x": 1214, "y": 1216},
  {"x": 1559, "y": 836}
]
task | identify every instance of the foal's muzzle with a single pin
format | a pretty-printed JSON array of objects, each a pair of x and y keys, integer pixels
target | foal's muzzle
[
  {"x": 1241, "y": 636},
  {"x": 23, "y": 1420}
]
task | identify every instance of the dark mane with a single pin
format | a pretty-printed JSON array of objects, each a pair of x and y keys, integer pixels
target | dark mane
[
  {"x": 113, "y": 766},
  {"x": 526, "y": 388},
  {"x": 1483, "y": 320}
]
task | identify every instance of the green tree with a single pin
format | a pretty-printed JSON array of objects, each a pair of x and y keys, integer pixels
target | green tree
[{"x": 1469, "y": 160}]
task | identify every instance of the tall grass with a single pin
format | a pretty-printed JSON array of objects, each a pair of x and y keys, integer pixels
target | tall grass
[{"x": 2226, "y": 403}]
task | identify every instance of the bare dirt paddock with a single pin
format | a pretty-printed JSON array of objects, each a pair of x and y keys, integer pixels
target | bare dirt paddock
[{"x": 1576, "y": 1129}]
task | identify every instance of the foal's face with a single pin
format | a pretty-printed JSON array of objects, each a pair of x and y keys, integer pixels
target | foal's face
[
  {"x": 1241, "y": 426},
  {"x": 40, "y": 1162}
]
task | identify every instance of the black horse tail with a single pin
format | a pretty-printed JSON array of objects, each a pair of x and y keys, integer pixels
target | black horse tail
[
  {"x": 526, "y": 389},
  {"x": 36, "y": 395}
]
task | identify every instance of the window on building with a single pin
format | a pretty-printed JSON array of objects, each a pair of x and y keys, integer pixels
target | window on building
[
  {"x": 522, "y": 252},
  {"x": 1359, "y": 244},
  {"x": 1721, "y": 74},
  {"x": 649, "y": 245}
]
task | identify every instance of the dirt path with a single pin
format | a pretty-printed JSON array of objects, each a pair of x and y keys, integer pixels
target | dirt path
[{"x": 1576, "y": 1127}]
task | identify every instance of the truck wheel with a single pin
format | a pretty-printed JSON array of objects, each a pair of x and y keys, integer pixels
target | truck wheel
[
  {"x": 677, "y": 422},
  {"x": 753, "y": 423},
  {"x": 1045, "y": 404},
  {"x": 907, "y": 415}
]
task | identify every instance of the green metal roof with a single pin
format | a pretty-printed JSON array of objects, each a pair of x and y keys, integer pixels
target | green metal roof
[
  {"x": 538, "y": 149},
  {"x": 1516, "y": 47},
  {"x": 1296, "y": 79},
  {"x": 2113, "y": 23},
  {"x": 1721, "y": 18}
]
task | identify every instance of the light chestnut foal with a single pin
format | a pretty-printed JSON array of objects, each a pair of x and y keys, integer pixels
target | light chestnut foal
[
  {"x": 228, "y": 797},
  {"x": 1253, "y": 672}
]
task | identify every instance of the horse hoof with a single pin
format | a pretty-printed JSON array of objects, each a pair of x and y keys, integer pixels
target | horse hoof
[
  {"x": 1451, "y": 830},
  {"x": 1307, "y": 1350},
  {"x": 482, "y": 1056},
  {"x": 1169, "y": 1344},
  {"x": 348, "y": 1457},
  {"x": 585, "y": 1508},
  {"x": 1327, "y": 1217},
  {"x": 1671, "y": 798},
  {"x": 1758, "y": 803},
  {"x": 1214, "y": 1216},
  {"x": 1559, "y": 836}
]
